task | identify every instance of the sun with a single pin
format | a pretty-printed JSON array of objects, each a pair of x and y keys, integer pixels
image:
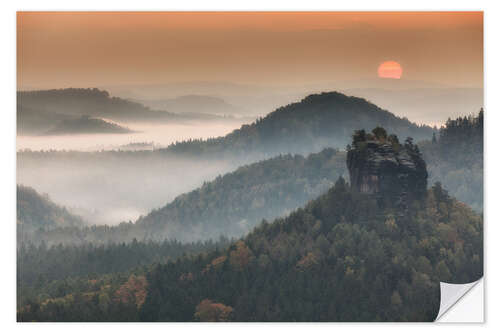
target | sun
[{"x": 390, "y": 70}]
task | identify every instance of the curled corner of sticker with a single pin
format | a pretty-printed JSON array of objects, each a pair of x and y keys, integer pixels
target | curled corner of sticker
[{"x": 451, "y": 293}]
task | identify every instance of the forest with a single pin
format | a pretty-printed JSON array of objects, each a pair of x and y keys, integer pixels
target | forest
[
  {"x": 234, "y": 203},
  {"x": 455, "y": 158},
  {"x": 318, "y": 121},
  {"x": 229, "y": 205},
  {"x": 340, "y": 258}
]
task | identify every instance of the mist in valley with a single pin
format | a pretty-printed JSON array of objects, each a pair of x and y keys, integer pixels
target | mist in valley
[
  {"x": 111, "y": 178},
  {"x": 158, "y": 135}
]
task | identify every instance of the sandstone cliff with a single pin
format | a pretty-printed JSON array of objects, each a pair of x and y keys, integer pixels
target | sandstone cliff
[{"x": 378, "y": 164}]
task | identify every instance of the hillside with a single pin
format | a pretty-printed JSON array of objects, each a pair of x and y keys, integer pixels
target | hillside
[
  {"x": 331, "y": 261},
  {"x": 229, "y": 205},
  {"x": 87, "y": 125},
  {"x": 92, "y": 102},
  {"x": 316, "y": 122},
  {"x": 345, "y": 256},
  {"x": 40, "y": 110},
  {"x": 66, "y": 268},
  {"x": 38, "y": 213},
  {"x": 194, "y": 104},
  {"x": 234, "y": 203},
  {"x": 455, "y": 158}
]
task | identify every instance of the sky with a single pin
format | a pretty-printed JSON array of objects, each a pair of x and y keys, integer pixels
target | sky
[{"x": 88, "y": 49}]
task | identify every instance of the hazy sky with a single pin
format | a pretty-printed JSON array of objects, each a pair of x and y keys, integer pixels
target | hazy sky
[{"x": 89, "y": 49}]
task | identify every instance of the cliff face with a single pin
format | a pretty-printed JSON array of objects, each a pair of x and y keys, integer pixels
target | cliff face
[{"x": 382, "y": 166}]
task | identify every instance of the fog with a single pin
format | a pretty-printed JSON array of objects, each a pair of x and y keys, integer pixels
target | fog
[
  {"x": 422, "y": 102},
  {"x": 109, "y": 187},
  {"x": 161, "y": 135}
]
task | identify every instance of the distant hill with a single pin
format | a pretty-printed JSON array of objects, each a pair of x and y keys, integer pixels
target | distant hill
[
  {"x": 38, "y": 111},
  {"x": 230, "y": 205},
  {"x": 92, "y": 102},
  {"x": 233, "y": 204},
  {"x": 36, "y": 212},
  {"x": 31, "y": 121},
  {"x": 194, "y": 104},
  {"x": 316, "y": 122},
  {"x": 87, "y": 125},
  {"x": 431, "y": 105}
]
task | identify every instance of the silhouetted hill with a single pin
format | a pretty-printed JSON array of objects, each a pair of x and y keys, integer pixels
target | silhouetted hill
[
  {"x": 38, "y": 213},
  {"x": 194, "y": 104},
  {"x": 40, "y": 110},
  {"x": 230, "y": 205},
  {"x": 87, "y": 125},
  {"x": 316, "y": 122},
  {"x": 92, "y": 102}
]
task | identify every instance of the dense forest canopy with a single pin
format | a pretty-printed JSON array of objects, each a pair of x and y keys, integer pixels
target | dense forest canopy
[
  {"x": 455, "y": 158},
  {"x": 53, "y": 271},
  {"x": 341, "y": 258}
]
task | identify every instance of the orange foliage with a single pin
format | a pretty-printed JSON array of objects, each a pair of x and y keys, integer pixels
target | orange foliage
[
  {"x": 241, "y": 256},
  {"x": 307, "y": 261},
  {"x": 210, "y": 311},
  {"x": 215, "y": 263},
  {"x": 134, "y": 290}
]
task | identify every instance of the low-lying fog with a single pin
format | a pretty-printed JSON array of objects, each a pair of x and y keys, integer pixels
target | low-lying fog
[
  {"x": 162, "y": 135},
  {"x": 112, "y": 187}
]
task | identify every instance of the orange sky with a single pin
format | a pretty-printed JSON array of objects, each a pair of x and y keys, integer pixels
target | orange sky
[{"x": 59, "y": 49}]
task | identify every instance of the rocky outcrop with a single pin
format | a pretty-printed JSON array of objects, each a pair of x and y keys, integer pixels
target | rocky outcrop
[{"x": 378, "y": 164}]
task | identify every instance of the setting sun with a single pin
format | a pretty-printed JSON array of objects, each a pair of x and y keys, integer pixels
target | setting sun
[{"x": 390, "y": 70}]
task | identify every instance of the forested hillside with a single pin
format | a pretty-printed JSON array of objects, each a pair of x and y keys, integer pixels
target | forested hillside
[
  {"x": 37, "y": 213},
  {"x": 341, "y": 258},
  {"x": 45, "y": 272},
  {"x": 80, "y": 101},
  {"x": 86, "y": 125},
  {"x": 230, "y": 205},
  {"x": 316, "y": 122},
  {"x": 40, "y": 110},
  {"x": 455, "y": 158},
  {"x": 234, "y": 203}
]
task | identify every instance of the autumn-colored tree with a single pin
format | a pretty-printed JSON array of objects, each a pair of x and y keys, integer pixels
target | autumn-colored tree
[
  {"x": 207, "y": 310},
  {"x": 134, "y": 290},
  {"x": 241, "y": 256},
  {"x": 307, "y": 261}
]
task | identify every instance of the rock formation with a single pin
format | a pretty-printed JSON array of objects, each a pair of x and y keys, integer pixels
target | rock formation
[{"x": 378, "y": 164}]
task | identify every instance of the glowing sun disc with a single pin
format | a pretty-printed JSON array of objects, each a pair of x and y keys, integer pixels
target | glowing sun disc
[{"x": 390, "y": 70}]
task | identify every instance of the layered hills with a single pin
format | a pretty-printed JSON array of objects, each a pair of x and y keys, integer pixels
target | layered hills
[
  {"x": 316, "y": 122},
  {"x": 40, "y": 110},
  {"x": 345, "y": 256},
  {"x": 229, "y": 205}
]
